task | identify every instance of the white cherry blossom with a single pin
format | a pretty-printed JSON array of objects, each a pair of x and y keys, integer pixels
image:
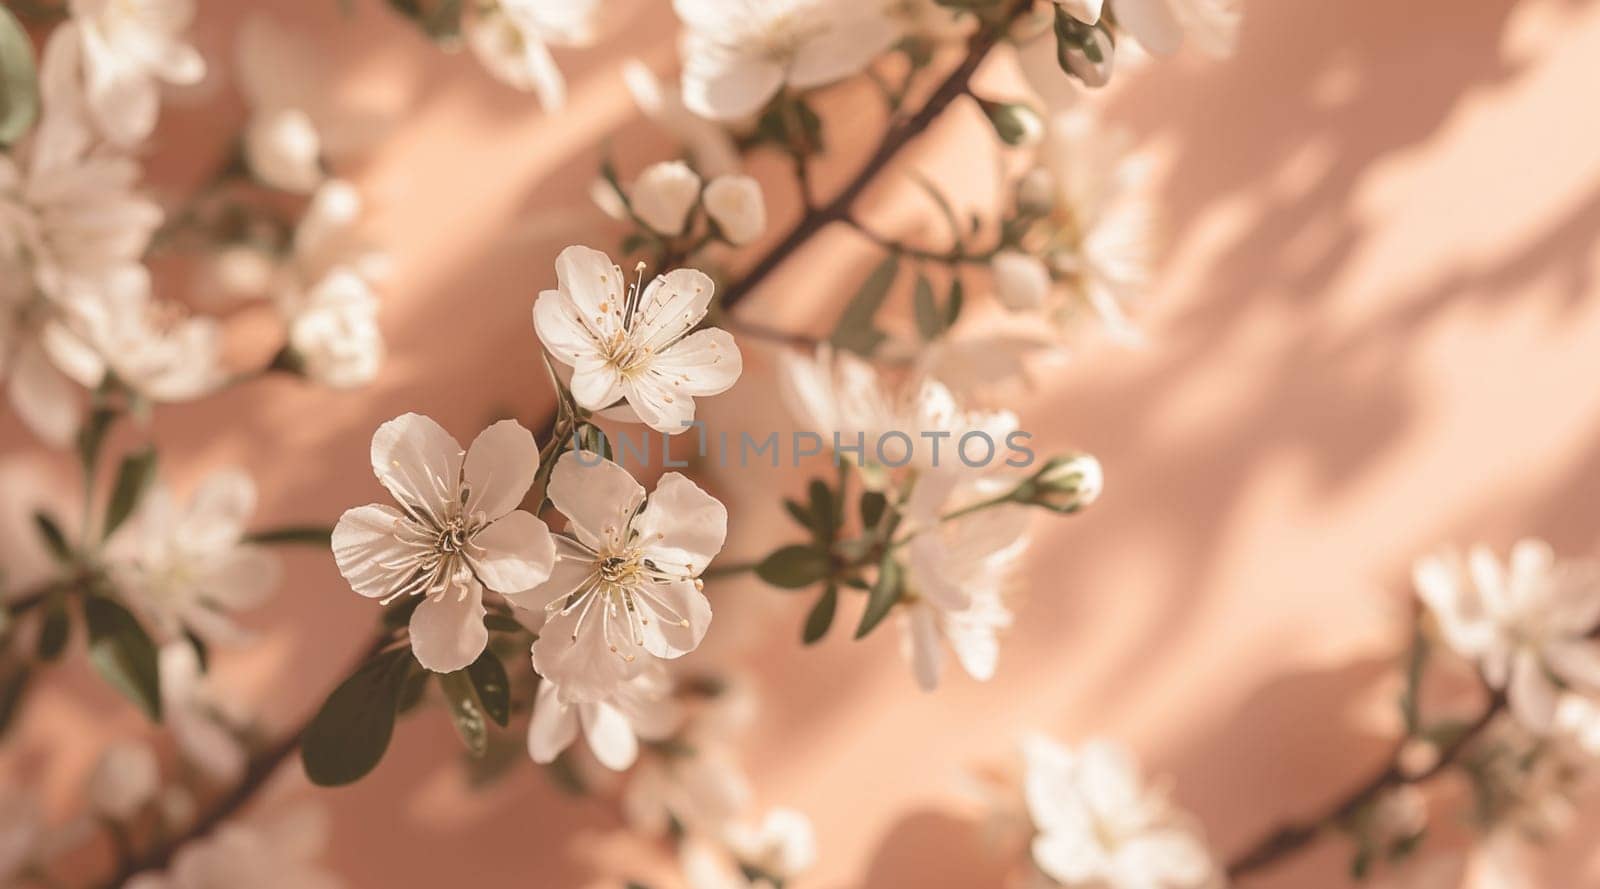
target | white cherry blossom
[
  {"x": 458, "y": 530},
  {"x": 1097, "y": 826},
  {"x": 128, "y": 48},
  {"x": 739, "y": 53},
  {"x": 187, "y": 566},
  {"x": 958, "y": 572},
  {"x": 333, "y": 329},
  {"x": 155, "y": 348},
  {"x": 641, "y": 708},
  {"x": 635, "y": 344},
  {"x": 782, "y": 846},
  {"x": 626, "y": 584},
  {"x": 512, "y": 38},
  {"x": 1526, "y": 624},
  {"x": 34, "y": 346},
  {"x": 736, "y": 205}
]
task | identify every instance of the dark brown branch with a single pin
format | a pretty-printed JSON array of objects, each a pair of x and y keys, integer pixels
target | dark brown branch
[{"x": 1296, "y": 835}]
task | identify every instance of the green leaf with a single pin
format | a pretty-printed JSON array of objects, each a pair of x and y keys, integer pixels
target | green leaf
[
  {"x": 873, "y": 503},
  {"x": 857, "y": 329},
  {"x": 824, "y": 514},
  {"x": 466, "y": 711},
  {"x": 952, "y": 306},
  {"x": 55, "y": 628},
  {"x": 202, "y": 651},
  {"x": 12, "y": 690},
  {"x": 123, "y": 653},
  {"x": 885, "y": 593},
  {"x": 351, "y": 732},
  {"x": 54, "y": 538},
  {"x": 311, "y": 535},
  {"x": 439, "y": 19},
  {"x": 793, "y": 567},
  {"x": 134, "y": 476},
  {"x": 930, "y": 321},
  {"x": 92, "y": 436},
  {"x": 799, "y": 513},
  {"x": 412, "y": 690},
  {"x": 489, "y": 680},
  {"x": 19, "y": 80},
  {"x": 821, "y": 616}
]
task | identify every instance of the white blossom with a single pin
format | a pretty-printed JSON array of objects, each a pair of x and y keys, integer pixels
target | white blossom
[
  {"x": 333, "y": 330},
  {"x": 128, "y": 48},
  {"x": 641, "y": 708},
  {"x": 663, "y": 195},
  {"x": 736, "y": 205},
  {"x": 1098, "y": 827},
  {"x": 282, "y": 144},
  {"x": 204, "y": 723},
  {"x": 957, "y": 573},
  {"x": 512, "y": 38},
  {"x": 1161, "y": 26},
  {"x": 634, "y": 344},
  {"x": 272, "y": 854},
  {"x": 1526, "y": 624},
  {"x": 782, "y": 846},
  {"x": 709, "y": 146},
  {"x": 739, "y": 53},
  {"x": 155, "y": 348},
  {"x": 125, "y": 780},
  {"x": 34, "y": 346},
  {"x": 626, "y": 584},
  {"x": 701, "y": 791},
  {"x": 457, "y": 531},
  {"x": 188, "y": 566}
]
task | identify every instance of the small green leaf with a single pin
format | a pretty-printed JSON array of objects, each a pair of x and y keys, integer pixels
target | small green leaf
[
  {"x": 55, "y": 540},
  {"x": 952, "y": 306},
  {"x": 439, "y": 19},
  {"x": 885, "y": 593},
  {"x": 202, "y": 651},
  {"x": 824, "y": 514},
  {"x": 930, "y": 322},
  {"x": 122, "y": 651},
  {"x": 793, "y": 567},
  {"x": 821, "y": 616},
  {"x": 412, "y": 690},
  {"x": 351, "y": 732},
  {"x": 311, "y": 535},
  {"x": 19, "y": 80},
  {"x": 55, "y": 628},
  {"x": 799, "y": 513},
  {"x": 466, "y": 711},
  {"x": 134, "y": 476},
  {"x": 873, "y": 503},
  {"x": 92, "y": 436},
  {"x": 857, "y": 328},
  {"x": 489, "y": 680}
]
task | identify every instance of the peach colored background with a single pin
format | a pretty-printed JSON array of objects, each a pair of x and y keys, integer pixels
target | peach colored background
[{"x": 1377, "y": 328}]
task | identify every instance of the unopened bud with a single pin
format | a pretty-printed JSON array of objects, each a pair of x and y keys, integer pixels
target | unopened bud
[
  {"x": 1066, "y": 484},
  {"x": 1036, "y": 192},
  {"x": 1014, "y": 122},
  {"x": 1084, "y": 51}
]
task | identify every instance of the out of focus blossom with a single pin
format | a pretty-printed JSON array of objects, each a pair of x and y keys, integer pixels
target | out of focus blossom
[
  {"x": 273, "y": 854},
  {"x": 1097, "y": 826},
  {"x": 710, "y": 148},
  {"x": 736, "y": 205},
  {"x": 957, "y": 573},
  {"x": 781, "y": 847},
  {"x": 626, "y": 585},
  {"x": 1526, "y": 624},
  {"x": 635, "y": 344},
  {"x": 202, "y": 722},
  {"x": 333, "y": 330},
  {"x": 457, "y": 531},
  {"x": 128, "y": 49},
  {"x": 124, "y": 781},
  {"x": 188, "y": 566},
  {"x": 641, "y": 708},
  {"x": 512, "y": 38},
  {"x": 155, "y": 348},
  {"x": 663, "y": 195},
  {"x": 739, "y": 53}
]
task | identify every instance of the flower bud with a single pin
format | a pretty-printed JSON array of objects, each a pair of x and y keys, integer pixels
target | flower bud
[
  {"x": 1084, "y": 51},
  {"x": 124, "y": 781},
  {"x": 664, "y": 194},
  {"x": 1014, "y": 122},
  {"x": 1086, "y": 11},
  {"x": 284, "y": 151},
  {"x": 1066, "y": 484},
  {"x": 736, "y": 205},
  {"x": 1021, "y": 281}
]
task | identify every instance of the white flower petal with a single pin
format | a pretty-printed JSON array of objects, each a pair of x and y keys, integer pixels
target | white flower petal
[
  {"x": 682, "y": 528},
  {"x": 499, "y": 469},
  {"x": 554, "y": 725},
  {"x": 588, "y": 665},
  {"x": 447, "y": 632},
  {"x": 610, "y": 737},
  {"x": 706, "y": 362},
  {"x": 679, "y": 616},
  {"x": 599, "y": 500},
  {"x": 418, "y": 462},
  {"x": 518, "y": 553},
  {"x": 1533, "y": 696},
  {"x": 365, "y": 548},
  {"x": 44, "y": 399}
]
